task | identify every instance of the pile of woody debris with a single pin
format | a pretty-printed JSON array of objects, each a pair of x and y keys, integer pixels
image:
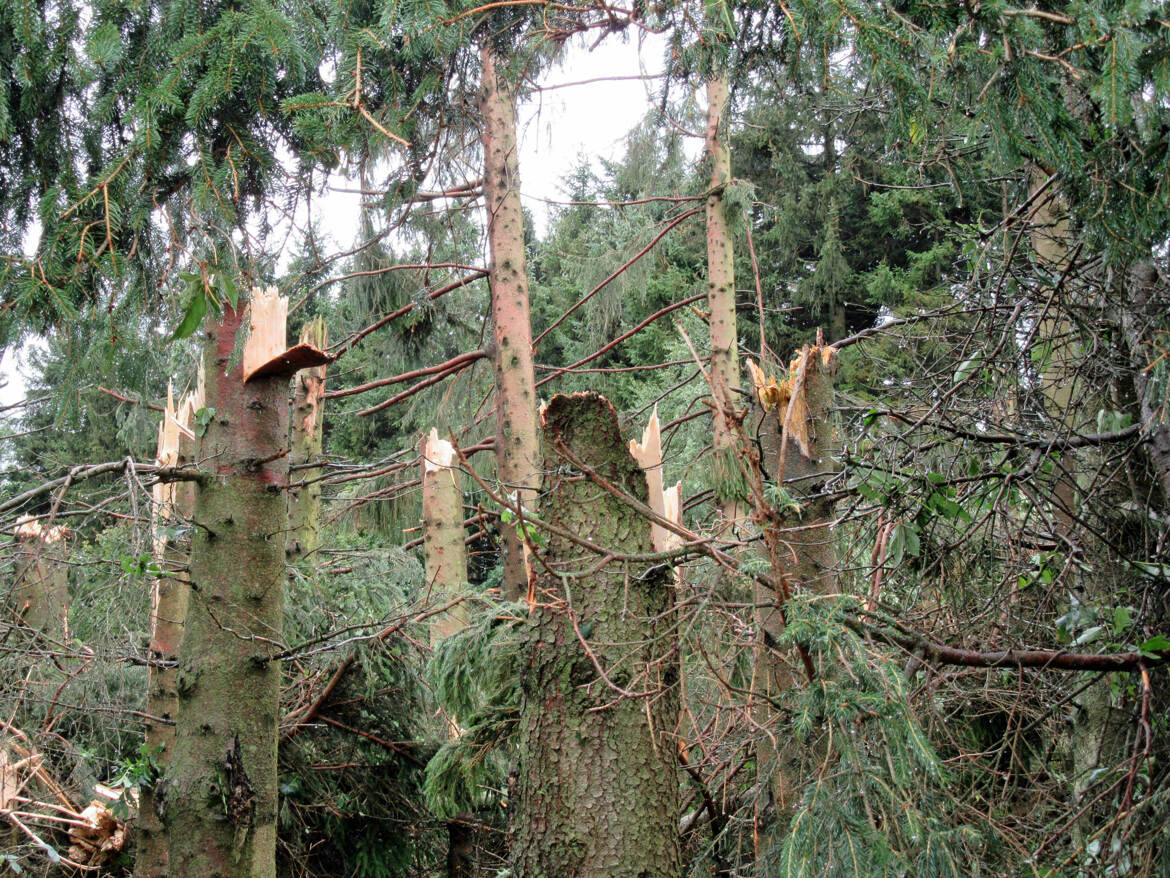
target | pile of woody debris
[{"x": 37, "y": 807}]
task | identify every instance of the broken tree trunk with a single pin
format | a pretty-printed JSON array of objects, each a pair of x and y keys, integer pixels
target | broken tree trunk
[
  {"x": 516, "y": 442},
  {"x": 174, "y": 503},
  {"x": 305, "y": 433},
  {"x": 219, "y": 795},
  {"x": 40, "y": 594},
  {"x": 598, "y": 789},
  {"x": 443, "y": 547},
  {"x": 797, "y": 440}
]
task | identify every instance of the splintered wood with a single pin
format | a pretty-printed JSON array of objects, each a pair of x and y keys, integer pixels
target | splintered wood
[
  {"x": 648, "y": 454},
  {"x": 175, "y": 423},
  {"x": 28, "y": 528},
  {"x": 265, "y": 353},
  {"x": 32, "y": 800},
  {"x": 788, "y": 396}
]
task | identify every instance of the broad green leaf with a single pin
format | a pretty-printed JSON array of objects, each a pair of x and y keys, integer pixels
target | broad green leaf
[
  {"x": 1157, "y": 643},
  {"x": 196, "y": 308},
  {"x": 228, "y": 288}
]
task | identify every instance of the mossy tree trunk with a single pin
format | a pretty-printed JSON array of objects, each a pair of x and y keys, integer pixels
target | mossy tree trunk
[
  {"x": 306, "y": 427},
  {"x": 516, "y": 442},
  {"x": 598, "y": 789},
  {"x": 174, "y": 505},
  {"x": 219, "y": 795}
]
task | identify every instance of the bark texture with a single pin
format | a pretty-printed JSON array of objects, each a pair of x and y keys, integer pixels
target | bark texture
[
  {"x": 516, "y": 442},
  {"x": 799, "y": 458},
  {"x": 724, "y": 362},
  {"x": 598, "y": 791},
  {"x": 174, "y": 504},
  {"x": 443, "y": 547},
  {"x": 305, "y": 433},
  {"x": 219, "y": 795},
  {"x": 40, "y": 595}
]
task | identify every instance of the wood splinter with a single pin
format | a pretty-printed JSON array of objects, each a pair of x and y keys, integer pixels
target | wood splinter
[{"x": 265, "y": 352}]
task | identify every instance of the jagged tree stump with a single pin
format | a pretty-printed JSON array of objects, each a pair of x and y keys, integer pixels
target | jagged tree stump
[{"x": 306, "y": 428}]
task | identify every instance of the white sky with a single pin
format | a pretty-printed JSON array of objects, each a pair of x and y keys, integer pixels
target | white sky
[{"x": 557, "y": 126}]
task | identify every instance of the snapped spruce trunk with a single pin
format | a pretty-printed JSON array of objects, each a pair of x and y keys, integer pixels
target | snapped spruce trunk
[
  {"x": 219, "y": 797},
  {"x": 306, "y": 429},
  {"x": 798, "y": 444},
  {"x": 598, "y": 786},
  {"x": 173, "y": 505}
]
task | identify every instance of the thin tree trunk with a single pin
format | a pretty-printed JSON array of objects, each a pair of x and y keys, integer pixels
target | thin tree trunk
[
  {"x": 598, "y": 786},
  {"x": 443, "y": 547},
  {"x": 220, "y": 792},
  {"x": 305, "y": 431},
  {"x": 516, "y": 442},
  {"x": 728, "y": 480},
  {"x": 174, "y": 502}
]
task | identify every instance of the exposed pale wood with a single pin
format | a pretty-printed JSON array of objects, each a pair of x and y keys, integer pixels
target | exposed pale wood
[
  {"x": 163, "y": 493},
  {"x": 648, "y": 453},
  {"x": 265, "y": 353},
  {"x": 790, "y": 395},
  {"x": 671, "y": 511}
]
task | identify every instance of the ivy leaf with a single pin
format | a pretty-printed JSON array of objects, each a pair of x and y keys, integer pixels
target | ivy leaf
[{"x": 203, "y": 419}]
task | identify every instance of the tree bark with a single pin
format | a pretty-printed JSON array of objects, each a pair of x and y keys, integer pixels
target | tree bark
[
  {"x": 728, "y": 481},
  {"x": 173, "y": 502},
  {"x": 41, "y": 586},
  {"x": 220, "y": 795},
  {"x": 305, "y": 432},
  {"x": 445, "y": 554},
  {"x": 796, "y": 438},
  {"x": 516, "y": 442},
  {"x": 598, "y": 790}
]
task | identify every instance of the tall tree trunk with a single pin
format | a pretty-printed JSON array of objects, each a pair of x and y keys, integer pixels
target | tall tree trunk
[
  {"x": 728, "y": 479},
  {"x": 305, "y": 431},
  {"x": 797, "y": 439},
  {"x": 598, "y": 788},
  {"x": 443, "y": 547},
  {"x": 516, "y": 442},
  {"x": 220, "y": 792},
  {"x": 173, "y": 502}
]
